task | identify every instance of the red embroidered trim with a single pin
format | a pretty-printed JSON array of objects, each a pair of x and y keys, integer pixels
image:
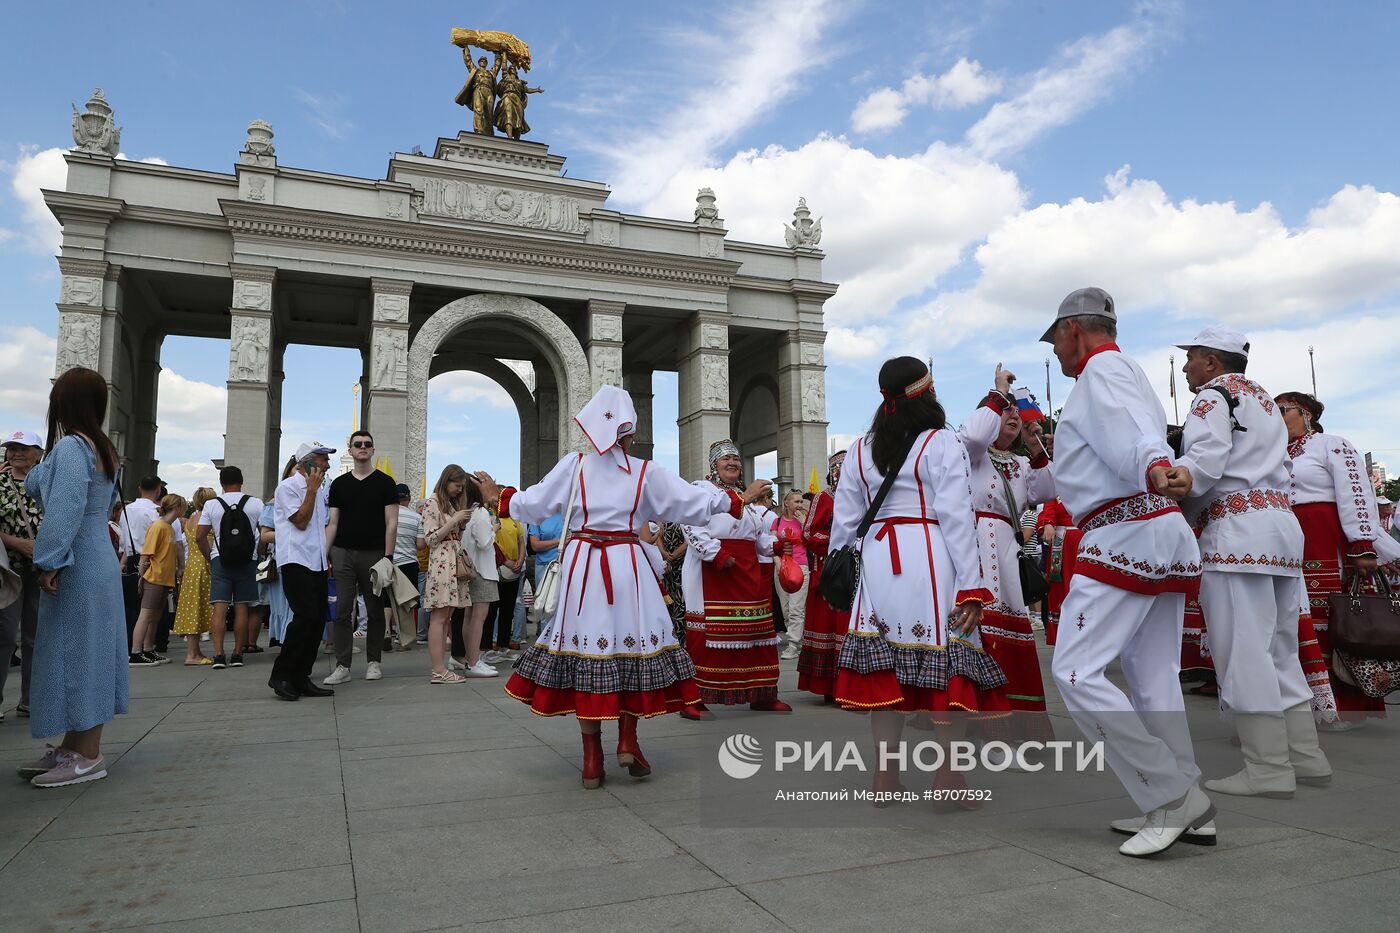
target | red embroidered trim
[
  {"x": 1248, "y": 560},
  {"x": 503, "y": 511},
  {"x": 1361, "y": 549},
  {"x": 1147, "y": 474},
  {"x": 1251, "y": 500},
  {"x": 1040, "y": 461},
  {"x": 1137, "y": 508},
  {"x": 996, "y": 402},
  {"x": 1297, "y": 445},
  {"x": 980, "y": 595}
]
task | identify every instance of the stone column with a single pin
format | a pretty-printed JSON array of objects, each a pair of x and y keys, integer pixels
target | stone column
[
  {"x": 145, "y": 387},
  {"x": 801, "y": 405},
  {"x": 250, "y": 393},
  {"x": 387, "y": 404},
  {"x": 275, "y": 375},
  {"x": 604, "y": 345},
  {"x": 547, "y": 402},
  {"x": 703, "y": 389},
  {"x": 83, "y": 340},
  {"x": 638, "y": 385}
]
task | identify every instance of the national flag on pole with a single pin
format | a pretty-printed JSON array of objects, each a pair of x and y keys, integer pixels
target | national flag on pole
[
  {"x": 1026, "y": 405},
  {"x": 814, "y": 484}
]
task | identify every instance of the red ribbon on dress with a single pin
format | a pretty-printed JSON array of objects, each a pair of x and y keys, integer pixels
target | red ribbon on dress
[
  {"x": 601, "y": 540},
  {"x": 884, "y": 532}
]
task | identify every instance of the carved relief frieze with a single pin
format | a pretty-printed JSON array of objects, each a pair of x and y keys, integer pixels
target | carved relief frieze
[{"x": 463, "y": 200}]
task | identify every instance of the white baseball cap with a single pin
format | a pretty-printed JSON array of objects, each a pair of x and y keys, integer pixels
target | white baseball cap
[
  {"x": 314, "y": 447},
  {"x": 27, "y": 438},
  {"x": 1217, "y": 337}
]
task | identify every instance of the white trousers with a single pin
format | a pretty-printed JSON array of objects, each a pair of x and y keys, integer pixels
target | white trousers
[
  {"x": 1146, "y": 740},
  {"x": 1252, "y": 619},
  {"x": 794, "y": 606}
]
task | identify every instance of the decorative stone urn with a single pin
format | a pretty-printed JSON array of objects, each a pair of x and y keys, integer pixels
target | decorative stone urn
[{"x": 94, "y": 129}]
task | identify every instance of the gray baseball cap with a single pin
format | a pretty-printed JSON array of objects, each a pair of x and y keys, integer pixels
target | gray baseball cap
[{"x": 1081, "y": 301}]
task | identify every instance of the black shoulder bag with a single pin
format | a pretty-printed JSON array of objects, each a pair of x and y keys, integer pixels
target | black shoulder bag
[{"x": 841, "y": 571}]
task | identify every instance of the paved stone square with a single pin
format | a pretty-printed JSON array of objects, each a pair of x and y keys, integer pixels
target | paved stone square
[{"x": 398, "y": 806}]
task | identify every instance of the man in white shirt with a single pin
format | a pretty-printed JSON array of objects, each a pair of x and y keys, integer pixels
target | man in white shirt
[
  {"x": 1137, "y": 561},
  {"x": 299, "y": 523},
  {"x": 1235, "y": 443},
  {"x": 233, "y": 576}
]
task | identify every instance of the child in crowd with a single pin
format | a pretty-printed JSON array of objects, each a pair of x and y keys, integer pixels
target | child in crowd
[{"x": 158, "y": 572}]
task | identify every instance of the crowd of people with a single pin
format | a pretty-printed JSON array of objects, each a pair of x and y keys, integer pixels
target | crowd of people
[{"x": 656, "y": 595}]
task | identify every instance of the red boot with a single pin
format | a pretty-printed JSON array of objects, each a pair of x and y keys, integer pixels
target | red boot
[
  {"x": 697, "y": 712},
  {"x": 629, "y": 753},
  {"x": 774, "y": 705},
  {"x": 592, "y": 760}
]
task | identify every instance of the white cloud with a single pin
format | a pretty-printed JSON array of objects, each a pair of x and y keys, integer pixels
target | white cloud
[
  {"x": 462, "y": 387},
  {"x": 32, "y": 171},
  {"x": 962, "y": 85},
  {"x": 738, "y": 72},
  {"x": 1086, "y": 72},
  {"x": 184, "y": 478},
  {"x": 24, "y": 397},
  {"x": 192, "y": 417},
  {"x": 1243, "y": 266},
  {"x": 893, "y": 225}
]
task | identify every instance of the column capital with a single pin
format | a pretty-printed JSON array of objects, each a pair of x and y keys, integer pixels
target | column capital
[
  {"x": 606, "y": 306},
  {"x": 244, "y": 272},
  {"x": 391, "y": 286}
]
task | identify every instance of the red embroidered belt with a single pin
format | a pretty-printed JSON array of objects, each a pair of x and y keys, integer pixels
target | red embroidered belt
[
  {"x": 1136, "y": 508},
  {"x": 1246, "y": 500},
  {"x": 601, "y": 540},
  {"x": 994, "y": 515},
  {"x": 884, "y": 533}
]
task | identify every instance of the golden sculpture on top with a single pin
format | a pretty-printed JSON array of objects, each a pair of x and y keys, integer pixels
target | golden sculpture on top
[{"x": 496, "y": 95}]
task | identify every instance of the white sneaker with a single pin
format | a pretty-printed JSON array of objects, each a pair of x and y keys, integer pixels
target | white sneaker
[
  {"x": 790, "y": 653},
  {"x": 454, "y": 665},
  {"x": 481, "y": 669},
  {"x": 373, "y": 671},
  {"x": 340, "y": 675}
]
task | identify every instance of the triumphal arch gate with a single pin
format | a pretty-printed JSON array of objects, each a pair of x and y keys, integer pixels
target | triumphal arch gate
[{"x": 482, "y": 251}]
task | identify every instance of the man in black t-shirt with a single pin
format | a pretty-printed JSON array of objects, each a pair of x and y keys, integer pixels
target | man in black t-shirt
[{"x": 364, "y": 521}]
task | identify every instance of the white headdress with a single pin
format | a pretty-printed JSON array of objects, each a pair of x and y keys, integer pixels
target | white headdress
[{"x": 607, "y": 418}]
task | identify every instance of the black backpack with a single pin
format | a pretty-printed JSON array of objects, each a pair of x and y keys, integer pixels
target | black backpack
[{"x": 236, "y": 543}]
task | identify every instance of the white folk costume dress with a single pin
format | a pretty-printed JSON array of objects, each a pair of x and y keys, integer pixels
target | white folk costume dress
[
  {"x": 918, "y": 561},
  {"x": 826, "y": 627},
  {"x": 1137, "y": 560},
  {"x": 609, "y": 649},
  {"x": 1251, "y": 545},
  {"x": 729, "y": 628},
  {"x": 1006, "y": 623},
  {"x": 1336, "y": 506}
]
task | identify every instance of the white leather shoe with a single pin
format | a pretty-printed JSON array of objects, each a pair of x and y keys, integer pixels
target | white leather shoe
[
  {"x": 340, "y": 675},
  {"x": 1163, "y": 827},
  {"x": 1203, "y": 835},
  {"x": 373, "y": 671}
]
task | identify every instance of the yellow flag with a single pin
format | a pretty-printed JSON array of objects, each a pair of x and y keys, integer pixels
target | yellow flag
[
  {"x": 385, "y": 468},
  {"x": 814, "y": 486},
  {"x": 423, "y": 491}
]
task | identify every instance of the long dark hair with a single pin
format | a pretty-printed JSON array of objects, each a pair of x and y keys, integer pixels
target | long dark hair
[
  {"x": 900, "y": 419},
  {"x": 1307, "y": 402},
  {"x": 77, "y": 405}
]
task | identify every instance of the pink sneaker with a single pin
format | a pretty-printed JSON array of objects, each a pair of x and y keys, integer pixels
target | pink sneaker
[
  {"x": 33, "y": 769},
  {"x": 72, "y": 768}
]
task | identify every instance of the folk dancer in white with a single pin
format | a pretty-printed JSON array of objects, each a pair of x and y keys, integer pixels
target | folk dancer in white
[
  {"x": 1137, "y": 561},
  {"x": 609, "y": 652},
  {"x": 1235, "y": 444},
  {"x": 727, "y": 577},
  {"x": 1001, "y": 481},
  {"x": 913, "y": 643}
]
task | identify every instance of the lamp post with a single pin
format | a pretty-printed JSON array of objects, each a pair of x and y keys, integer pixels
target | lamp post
[{"x": 1313, "y": 369}]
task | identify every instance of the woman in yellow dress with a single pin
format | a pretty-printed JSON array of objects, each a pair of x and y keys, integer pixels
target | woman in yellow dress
[{"x": 192, "y": 612}]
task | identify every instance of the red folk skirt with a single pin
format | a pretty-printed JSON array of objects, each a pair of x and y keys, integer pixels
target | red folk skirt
[
  {"x": 734, "y": 645},
  {"x": 821, "y": 640},
  {"x": 1068, "y": 546},
  {"x": 1324, "y": 543}
]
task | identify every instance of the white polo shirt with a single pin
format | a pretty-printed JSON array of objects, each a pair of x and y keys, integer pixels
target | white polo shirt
[{"x": 304, "y": 546}]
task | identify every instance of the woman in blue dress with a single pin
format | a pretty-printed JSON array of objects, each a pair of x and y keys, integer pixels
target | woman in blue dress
[{"x": 79, "y": 680}]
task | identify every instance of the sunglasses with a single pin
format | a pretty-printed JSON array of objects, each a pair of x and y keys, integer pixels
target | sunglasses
[
  {"x": 362, "y": 445},
  {"x": 1287, "y": 408}
]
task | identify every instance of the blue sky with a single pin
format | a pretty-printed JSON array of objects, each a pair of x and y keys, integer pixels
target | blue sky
[{"x": 973, "y": 163}]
